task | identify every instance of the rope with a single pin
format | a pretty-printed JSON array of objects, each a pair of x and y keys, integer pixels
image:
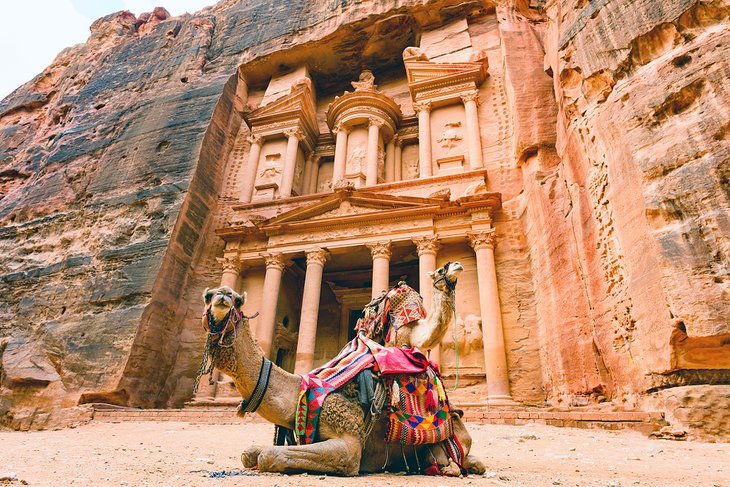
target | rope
[{"x": 456, "y": 350}]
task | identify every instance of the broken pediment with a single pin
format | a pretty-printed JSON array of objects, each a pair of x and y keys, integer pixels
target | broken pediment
[
  {"x": 295, "y": 110},
  {"x": 443, "y": 81}
]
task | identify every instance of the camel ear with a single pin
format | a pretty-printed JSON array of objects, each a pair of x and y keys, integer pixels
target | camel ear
[
  {"x": 239, "y": 300},
  {"x": 207, "y": 295},
  {"x": 431, "y": 274}
]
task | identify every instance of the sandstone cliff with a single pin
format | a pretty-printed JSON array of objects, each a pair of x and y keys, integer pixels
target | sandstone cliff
[{"x": 113, "y": 162}]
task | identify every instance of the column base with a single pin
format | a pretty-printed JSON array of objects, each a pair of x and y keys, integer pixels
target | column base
[{"x": 501, "y": 400}]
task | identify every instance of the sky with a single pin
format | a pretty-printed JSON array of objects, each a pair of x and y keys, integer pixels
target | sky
[{"x": 35, "y": 31}]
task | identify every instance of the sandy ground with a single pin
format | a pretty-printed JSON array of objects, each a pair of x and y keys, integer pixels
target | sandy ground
[{"x": 179, "y": 454}]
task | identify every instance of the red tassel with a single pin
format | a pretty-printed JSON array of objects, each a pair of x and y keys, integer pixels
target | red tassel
[
  {"x": 430, "y": 401},
  {"x": 432, "y": 469}
]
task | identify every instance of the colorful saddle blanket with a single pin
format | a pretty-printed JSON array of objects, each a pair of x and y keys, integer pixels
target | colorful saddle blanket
[
  {"x": 420, "y": 412},
  {"x": 420, "y": 406},
  {"x": 389, "y": 311}
]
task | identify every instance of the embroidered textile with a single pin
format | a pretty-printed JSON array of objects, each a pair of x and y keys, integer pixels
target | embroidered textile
[
  {"x": 420, "y": 411},
  {"x": 389, "y": 311}
]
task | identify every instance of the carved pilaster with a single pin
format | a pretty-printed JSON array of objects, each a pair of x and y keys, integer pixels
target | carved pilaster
[
  {"x": 229, "y": 264},
  {"x": 317, "y": 256},
  {"x": 428, "y": 244},
  {"x": 274, "y": 260},
  {"x": 375, "y": 121},
  {"x": 380, "y": 249},
  {"x": 295, "y": 133},
  {"x": 341, "y": 127},
  {"x": 470, "y": 96},
  {"x": 420, "y": 106},
  {"x": 255, "y": 139},
  {"x": 482, "y": 240}
]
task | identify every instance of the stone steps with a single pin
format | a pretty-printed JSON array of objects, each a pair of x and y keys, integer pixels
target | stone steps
[{"x": 645, "y": 422}]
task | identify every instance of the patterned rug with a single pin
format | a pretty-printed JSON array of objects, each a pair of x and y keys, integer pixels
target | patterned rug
[{"x": 389, "y": 311}]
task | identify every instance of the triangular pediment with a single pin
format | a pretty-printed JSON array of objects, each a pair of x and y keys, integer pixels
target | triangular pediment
[{"x": 344, "y": 205}]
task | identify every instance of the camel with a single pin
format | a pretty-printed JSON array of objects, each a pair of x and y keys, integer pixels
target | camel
[{"x": 341, "y": 447}]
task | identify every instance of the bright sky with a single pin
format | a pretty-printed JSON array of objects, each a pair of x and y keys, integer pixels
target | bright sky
[{"x": 34, "y": 31}]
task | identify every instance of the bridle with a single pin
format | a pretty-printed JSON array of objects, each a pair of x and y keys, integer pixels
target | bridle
[{"x": 451, "y": 286}]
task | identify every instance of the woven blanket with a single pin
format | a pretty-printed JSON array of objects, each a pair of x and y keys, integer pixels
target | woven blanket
[
  {"x": 352, "y": 359},
  {"x": 389, "y": 311},
  {"x": 419, "y": 409}
]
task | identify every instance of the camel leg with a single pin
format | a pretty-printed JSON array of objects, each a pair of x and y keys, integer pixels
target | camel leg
[
  {"x": 473, "y": 465},
  {"x": 250, "y": 456},
  {"x": 338, "y": 456}
]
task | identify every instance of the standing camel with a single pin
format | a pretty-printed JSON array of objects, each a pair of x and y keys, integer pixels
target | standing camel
[{"x": 341, "y": 447}]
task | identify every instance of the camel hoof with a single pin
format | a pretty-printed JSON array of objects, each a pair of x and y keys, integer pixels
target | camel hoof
[
  {"x": 250, "y": 457},
  {"x": 451, "y": 470},
  {"x": 474, "y": 465}
]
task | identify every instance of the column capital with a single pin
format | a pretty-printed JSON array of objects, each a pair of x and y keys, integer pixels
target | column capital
[
  {"x": 294, "y": 133},
  {"x": 470, "y": 96},
  {"x": 341, "y": 127},
  {"x": 274, "y": 260},
  {"x": 314, "y": 157},
  {"x": 230, "y": 264},
  {"x": 378, "y": 122},
  {"x": 420, "y": 106},
  {"x": 255, "y": 139},
  {"x": 317, "y": 256},
  {"x": 428, "y": 244},
  {"x": 485, "y": 239},
  {"x": 379, "y": 249},
  {"x": 396, "y": 141}
]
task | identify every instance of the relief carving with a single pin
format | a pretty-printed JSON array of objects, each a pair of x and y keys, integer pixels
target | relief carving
[
  {"x": 270, "y": 171},
  {"x": 450, "y": 137},
  {"x": 356, "y": 162}
]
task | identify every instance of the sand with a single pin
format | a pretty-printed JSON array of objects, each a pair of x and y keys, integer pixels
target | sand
[{"x": 181, "y": 454}]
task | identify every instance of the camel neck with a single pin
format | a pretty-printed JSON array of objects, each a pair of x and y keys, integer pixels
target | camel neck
[{"x": 242, "y": 363}]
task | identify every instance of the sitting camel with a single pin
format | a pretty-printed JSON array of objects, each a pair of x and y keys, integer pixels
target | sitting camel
[{"x": 342, "y": 446}]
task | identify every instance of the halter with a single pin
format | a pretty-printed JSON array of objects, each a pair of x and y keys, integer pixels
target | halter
[
  {"x": 229, "y": 323},
  {"x": 451, "y": 286}
]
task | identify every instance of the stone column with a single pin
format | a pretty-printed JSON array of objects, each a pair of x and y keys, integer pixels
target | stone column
[
  {"x": 495, "y": 358},
  {"x": 338, "y": 172},
  {"x": 371, "y": 171},
  {"x": 312, "y": 188},
  {"x": 252, "y": 165},
  {"x": 424, "y": 137},
  {"x": 307, "y": 175},
  {"x": 398, "y": 160},
  {"x": 310, "y": 309},
  {"x": 427, "y": 247},
  {"x": 231, "y": 271},
  {"x": 290, "y": 161},
  {"x": 471, "y": 101},
  {"x": 390, "y": 160},
  {"x": 381, "y": 266},
  {"x": 272, "y": 283}
]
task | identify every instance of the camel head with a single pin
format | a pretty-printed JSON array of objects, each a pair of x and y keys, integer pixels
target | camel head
[
  {"x": 444, "y": 278},
  {"x": 220, "y": 300}
]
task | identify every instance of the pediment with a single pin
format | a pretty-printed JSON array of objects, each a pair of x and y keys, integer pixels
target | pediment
[
  {"x": 297, "y": 106},
  {"x": 344, "y": 205},
  {"x": 425, "y": 75}
]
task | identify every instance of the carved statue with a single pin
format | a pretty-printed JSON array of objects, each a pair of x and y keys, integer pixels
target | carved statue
[
  {"x": 356, "y": 162},
  {"x": 414, "y": 54},
  {"x": 341, "y": 446},
  {"x": 366, "y": 82}
]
